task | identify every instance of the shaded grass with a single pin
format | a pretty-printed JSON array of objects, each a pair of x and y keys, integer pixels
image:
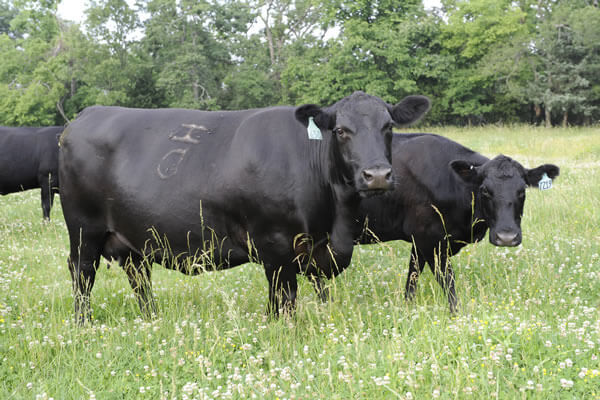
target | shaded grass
[{"x": 528, "y": 324}]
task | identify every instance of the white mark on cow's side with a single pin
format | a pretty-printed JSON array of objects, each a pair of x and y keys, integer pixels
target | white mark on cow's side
[
  {"x": 188, "y": 137},
  {"x": 167, "y": 167}
]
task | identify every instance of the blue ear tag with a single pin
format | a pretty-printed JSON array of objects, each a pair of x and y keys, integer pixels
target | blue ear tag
[
  {"x": 545, "y": 183},
  {"x": 314, "y": 132}
]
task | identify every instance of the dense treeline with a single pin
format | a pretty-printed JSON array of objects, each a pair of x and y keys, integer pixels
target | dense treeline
[{"x": 481, "y": 61}]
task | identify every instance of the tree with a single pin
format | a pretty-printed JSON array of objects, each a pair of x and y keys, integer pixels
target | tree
[
  {"x": 386, "y": 48},
  {"x": 7, "y": 14},
  {"x": 475, "y": 32},
  {"x": 187, "y": 43},
  {"x": 30, "y": 70}
]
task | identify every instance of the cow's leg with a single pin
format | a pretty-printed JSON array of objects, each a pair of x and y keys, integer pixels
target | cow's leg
[
  {"x": 317, "y": 283},
  {"x": 47, "y": 182},
  {"x": 442, "y": 269},
  {"x": 83, "y": 262},
  {"x": 283, "y": 288},
  {"x": 139, "y": 273},
  {"x": 415, "y": 268}
]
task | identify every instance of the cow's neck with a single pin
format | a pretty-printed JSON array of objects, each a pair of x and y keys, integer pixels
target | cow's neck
[
  {"x": 479, "y": 225},
  {"x": 343, "y": 201}
]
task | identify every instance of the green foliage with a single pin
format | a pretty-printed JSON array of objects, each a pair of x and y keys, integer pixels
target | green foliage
[
  {"x": 187, "y": 46},
  {"x": 383, "y": 48},
  {"x": 476, "y": 29},
  {"x": 480, "y": 61},
  {"x": 7, "y": 14}
]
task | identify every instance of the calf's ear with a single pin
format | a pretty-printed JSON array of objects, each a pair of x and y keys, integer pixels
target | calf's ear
[
  {"x": 322, "y": 118},
  {"x": 533, "y": 176},
  {"x": 466, "y": 171},
  {"x": 410, "y": 110}
]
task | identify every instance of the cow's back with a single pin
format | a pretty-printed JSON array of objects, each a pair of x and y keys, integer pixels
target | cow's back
[{"x": 26, "y": 155}]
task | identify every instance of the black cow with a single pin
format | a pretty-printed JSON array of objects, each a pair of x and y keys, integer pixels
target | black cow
[
  {"x": 29, "y": 160},
  {"x": 196, "y": 190},
  {"x": 449, "y": 197}
]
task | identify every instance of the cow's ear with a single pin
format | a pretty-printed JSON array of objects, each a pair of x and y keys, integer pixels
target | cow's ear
[
  {"x": 466, "y": 171},
  {"x": 322, "y": 118},
  {"x": 533, "y": 176},
  {"x": 410, "y": 110}
]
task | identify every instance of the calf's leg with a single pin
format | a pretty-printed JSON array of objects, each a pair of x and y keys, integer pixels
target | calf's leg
[
  {"x": 444, "y": 274},
  {"x": 415, "y": 267}
]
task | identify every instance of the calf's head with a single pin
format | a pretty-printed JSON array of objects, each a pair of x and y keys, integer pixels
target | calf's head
[
  {"x": 360, "y": 126},
  {"x": 500, "y": 186}
]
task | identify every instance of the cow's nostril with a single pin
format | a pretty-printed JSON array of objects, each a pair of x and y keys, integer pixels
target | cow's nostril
[
  {"x": 367, "y": 176},
  {"x": 388, "y": 175}
]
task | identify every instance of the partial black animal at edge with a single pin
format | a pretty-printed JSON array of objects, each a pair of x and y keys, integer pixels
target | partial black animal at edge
[
  {"x": 250, "y": 186},
  {"x": 448, "y": 196},
  {"x": 29, "y": 160}
]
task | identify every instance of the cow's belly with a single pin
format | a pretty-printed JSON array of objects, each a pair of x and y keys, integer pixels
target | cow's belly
[
  {"x": 192, "y": 240},
  {"x": 15, "y": 184}
]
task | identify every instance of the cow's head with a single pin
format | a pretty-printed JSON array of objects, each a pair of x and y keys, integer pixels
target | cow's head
[
  {"x": 361, "y": 129},
  {"x": 500, "y": 192}
]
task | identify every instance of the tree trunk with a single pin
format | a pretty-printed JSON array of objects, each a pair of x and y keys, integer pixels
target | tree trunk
[
  {"x": 268, "y": 32},
  {"x": 565, "y": 119},
  {"x": 73, "y": 86},
  {"x": 195, "y": 90},
  {"x": 271, "y": 46},
  {"x": 538, "y": 113},
  {"x": 548, "y": 119}
]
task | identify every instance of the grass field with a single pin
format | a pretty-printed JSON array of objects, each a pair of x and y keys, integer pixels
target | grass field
[{"x": 528, "y": 325}]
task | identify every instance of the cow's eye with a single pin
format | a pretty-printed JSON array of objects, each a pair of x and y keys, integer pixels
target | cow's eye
[{"x": 340, "y": 132}]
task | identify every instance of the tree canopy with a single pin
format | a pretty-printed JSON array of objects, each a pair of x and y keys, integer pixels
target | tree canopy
[{"x": 481, "y": 61}]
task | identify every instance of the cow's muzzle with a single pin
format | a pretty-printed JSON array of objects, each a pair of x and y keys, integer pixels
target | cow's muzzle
[
  {"x": 506, "y": 238},
  {"x": 377, "y": 179}
]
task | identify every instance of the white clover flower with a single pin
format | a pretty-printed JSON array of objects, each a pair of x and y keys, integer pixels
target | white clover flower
[
  {"x": 530, "y": 384},
  {"x": 566, "y": 383},
  {"x": 569, "y": 362}
]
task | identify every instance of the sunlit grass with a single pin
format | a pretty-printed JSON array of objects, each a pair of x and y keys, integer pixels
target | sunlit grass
[{"x": 528, "y": 325}]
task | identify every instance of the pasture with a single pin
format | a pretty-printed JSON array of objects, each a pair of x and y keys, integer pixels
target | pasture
[{"x": 528, "y": 324}]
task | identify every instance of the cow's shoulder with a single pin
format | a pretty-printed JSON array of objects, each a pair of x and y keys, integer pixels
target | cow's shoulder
[
  {"x": 265, "y": 131},
  {"x": 427, "y": 158}
]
